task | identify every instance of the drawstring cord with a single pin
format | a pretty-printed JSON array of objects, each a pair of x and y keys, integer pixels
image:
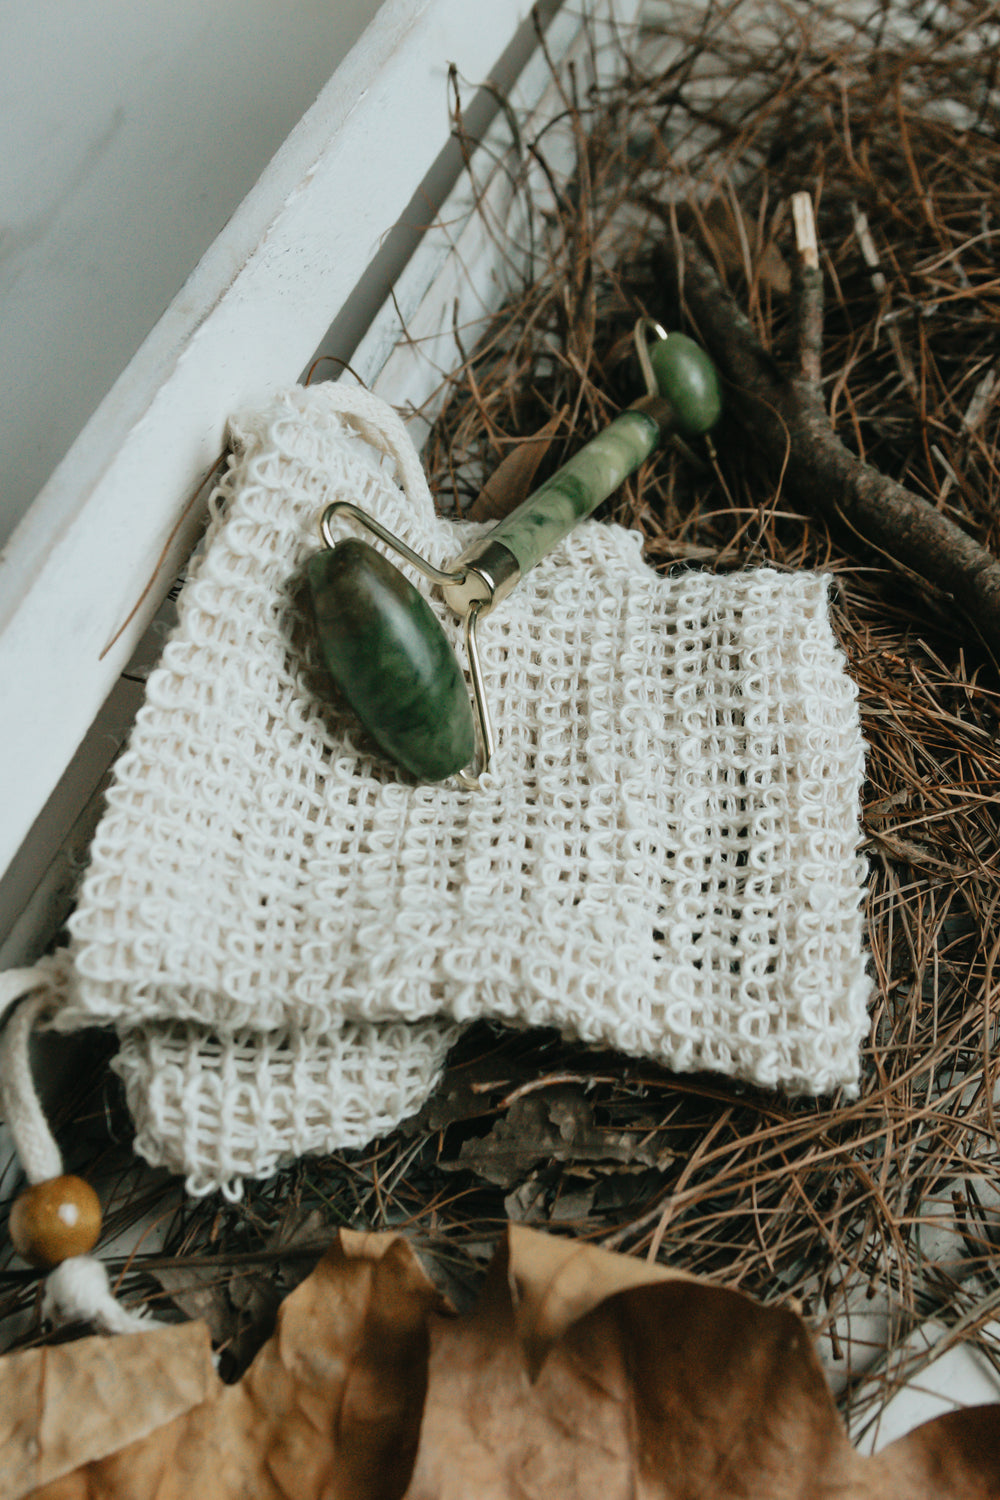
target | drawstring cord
[{"x": 77, "y": 1289}]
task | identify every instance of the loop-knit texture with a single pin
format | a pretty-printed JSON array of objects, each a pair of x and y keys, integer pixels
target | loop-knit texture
[{"x": 664, "y": 859}]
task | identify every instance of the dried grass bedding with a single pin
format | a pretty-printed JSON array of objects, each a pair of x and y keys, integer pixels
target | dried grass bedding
[{"x": 872, "y": 1212}]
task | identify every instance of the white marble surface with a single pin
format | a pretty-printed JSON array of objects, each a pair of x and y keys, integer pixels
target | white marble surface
[{"x": 128, "y": 135}]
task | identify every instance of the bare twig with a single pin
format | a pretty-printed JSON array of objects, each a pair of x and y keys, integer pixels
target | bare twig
[
  {"x": 808, "y": 291},
  {"x": 785, "y": 419}
]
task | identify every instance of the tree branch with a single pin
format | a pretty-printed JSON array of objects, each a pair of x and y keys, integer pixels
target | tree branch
[{"x": 784, "y": 417}]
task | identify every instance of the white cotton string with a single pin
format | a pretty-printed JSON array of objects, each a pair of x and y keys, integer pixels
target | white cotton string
[
  {"x": 78, "y": 1290},
  {"x": 36, "y": 1148},
  {"x": 380, "y": 425}
]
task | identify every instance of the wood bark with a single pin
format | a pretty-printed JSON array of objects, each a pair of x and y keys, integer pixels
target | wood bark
[{"x": 783, "y": 416}]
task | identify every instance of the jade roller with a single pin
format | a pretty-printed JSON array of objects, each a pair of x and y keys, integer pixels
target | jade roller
[{"x": 381, "y": 641}]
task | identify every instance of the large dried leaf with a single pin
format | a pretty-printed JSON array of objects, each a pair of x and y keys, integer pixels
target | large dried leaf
[
  {"x": 330, "y": 1407},
  {"x": 659, "y": 1390},
  {"x": 578, "y": 1374},
  {"x": 64, "y": 1407}
]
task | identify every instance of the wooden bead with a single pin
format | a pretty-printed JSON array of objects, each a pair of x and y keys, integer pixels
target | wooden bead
[{"x": 54, "y": 1220}]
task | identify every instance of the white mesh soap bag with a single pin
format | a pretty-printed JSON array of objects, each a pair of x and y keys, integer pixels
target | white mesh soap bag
[{"x": 287, "y": 933}]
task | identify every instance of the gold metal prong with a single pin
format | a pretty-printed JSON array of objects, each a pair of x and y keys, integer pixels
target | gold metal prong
[
  {"x": 337, "y": 507},
  {"x": 487, "y": 743},
  {"x": 640, "y": 334}
]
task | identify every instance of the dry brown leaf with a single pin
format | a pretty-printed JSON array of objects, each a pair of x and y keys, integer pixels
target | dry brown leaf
[
  {"x": 555, "y": 1282},
  {"x": 736, "y": 239},
  {"x": 67, "y": 1406},
  {"x": 658, "y": 1390},
  {"x": 330, "y": 1407},
  {"x": 554, "y": 1126},
  {"x": 954, "y": 1457},
  {"x": 511, "y": 480},
  {"x": 579, "y": 1374}
]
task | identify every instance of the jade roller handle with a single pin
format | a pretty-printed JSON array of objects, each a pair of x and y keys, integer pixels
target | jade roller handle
[
  {"x": 688, "y": 403},
  {"x": 383, "y": 645}
]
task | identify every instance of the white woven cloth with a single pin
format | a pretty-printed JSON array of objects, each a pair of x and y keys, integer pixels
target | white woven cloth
[{"x": 664, "y": 859}]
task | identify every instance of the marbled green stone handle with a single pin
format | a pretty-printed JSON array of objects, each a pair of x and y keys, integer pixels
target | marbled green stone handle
[
  {"x": 577, "y": 488},
  {"x": 690, "y": 404}
]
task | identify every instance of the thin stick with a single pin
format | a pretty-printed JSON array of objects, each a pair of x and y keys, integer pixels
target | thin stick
[
  {"x": 873, "y": 261},
  {"x": 808, "y": 291},
  {"x": 785, "y": 418}
]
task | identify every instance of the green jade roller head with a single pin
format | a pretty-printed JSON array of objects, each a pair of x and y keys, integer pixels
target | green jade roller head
[{"x": 381, "y": 641}]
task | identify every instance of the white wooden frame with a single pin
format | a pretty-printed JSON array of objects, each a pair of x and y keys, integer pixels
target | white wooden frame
[{"x": 87, "y": 568}]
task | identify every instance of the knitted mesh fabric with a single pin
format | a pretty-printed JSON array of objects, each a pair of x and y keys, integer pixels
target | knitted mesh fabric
[
  {"x": 216, "y": 1109},
  {"x": 663, "y": 858}
]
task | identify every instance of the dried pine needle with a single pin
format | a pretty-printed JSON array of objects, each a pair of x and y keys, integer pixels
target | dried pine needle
[{"x": 885, "y": 1207}]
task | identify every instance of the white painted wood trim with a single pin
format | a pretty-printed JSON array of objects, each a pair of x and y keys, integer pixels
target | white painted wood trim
[
  {"x": 83, "y": 573},
  {"x": 478, "y": 253},
  {"x": 457, "y": 268}
]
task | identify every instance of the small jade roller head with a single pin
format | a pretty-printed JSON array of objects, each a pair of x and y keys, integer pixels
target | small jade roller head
[
  {"x": 684, "y": 377},
  {"x": 382, "y": 643}
]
